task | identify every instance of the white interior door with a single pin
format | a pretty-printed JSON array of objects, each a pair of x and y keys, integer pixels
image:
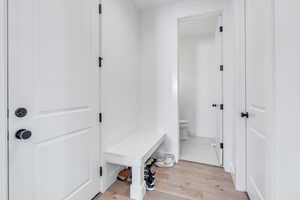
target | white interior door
[
  {"x": 53, "y": 74},
  {"x": 259, "y": 94}
]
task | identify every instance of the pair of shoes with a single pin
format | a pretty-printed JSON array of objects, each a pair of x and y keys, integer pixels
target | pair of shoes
[
  {"x": 150, "y": 175},
  {"x": 168, "y": 160},
  {"x": 150, "y": 181},
  {"x": 124, "y": 175}
]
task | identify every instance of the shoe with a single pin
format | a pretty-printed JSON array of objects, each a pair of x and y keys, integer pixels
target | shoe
[
  {"x": 150, "y": 187},
  {"x": 123, "y": 175}
]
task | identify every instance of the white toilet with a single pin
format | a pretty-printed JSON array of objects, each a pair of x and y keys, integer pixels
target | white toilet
[{"x": 184, "y": 129}]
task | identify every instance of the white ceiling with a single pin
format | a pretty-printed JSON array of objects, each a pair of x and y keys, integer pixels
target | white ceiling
[
  {"x": 143, "y": 4},
  {"x": 198, "y": 26}
]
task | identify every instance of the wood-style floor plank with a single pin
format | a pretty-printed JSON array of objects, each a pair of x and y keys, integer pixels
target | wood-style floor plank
[{"x": 185, "y": 181}]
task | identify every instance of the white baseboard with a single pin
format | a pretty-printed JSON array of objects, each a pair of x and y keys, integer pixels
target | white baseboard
[{"x": 232, "y": 172}]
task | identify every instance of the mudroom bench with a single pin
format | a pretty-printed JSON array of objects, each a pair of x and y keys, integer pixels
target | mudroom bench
[{"x": 133, "y": 152}]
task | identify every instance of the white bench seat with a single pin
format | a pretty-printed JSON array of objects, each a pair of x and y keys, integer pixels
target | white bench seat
[{"x": 134, "y": 151}]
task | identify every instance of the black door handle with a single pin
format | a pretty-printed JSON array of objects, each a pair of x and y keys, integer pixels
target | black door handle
[
  {"x": 245, "y": 115},
  {"x": 23, "y": 134}
]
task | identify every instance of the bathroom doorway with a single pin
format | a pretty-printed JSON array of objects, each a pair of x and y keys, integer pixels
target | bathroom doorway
[{"x": 201, "y": 89}]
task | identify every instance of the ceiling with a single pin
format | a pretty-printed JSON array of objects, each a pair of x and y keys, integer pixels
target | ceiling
[
  {"x": 144, "y": 4},
  {"x": 198, "y": 26}
]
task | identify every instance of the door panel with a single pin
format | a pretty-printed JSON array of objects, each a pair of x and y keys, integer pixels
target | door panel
[
  {"x": 259, "y": 88},
  {"x": 53, "y": 74},
  {"x": 57, "y": 151}
]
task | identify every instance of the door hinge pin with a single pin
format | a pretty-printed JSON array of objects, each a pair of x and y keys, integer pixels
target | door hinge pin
[
  {"x": 101, "y": 171},
  {"x": 100, "y": 8},
  {"x": 221, "y": 67},
  {"x": 222, "y": 145},
  {"x": 100, "y": 117},
  {"x": 221, "y": 29},
  {"x": 100, "y": 60}
]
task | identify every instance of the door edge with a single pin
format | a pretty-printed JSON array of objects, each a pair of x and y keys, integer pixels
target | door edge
[{"x": 3, "y": 104}]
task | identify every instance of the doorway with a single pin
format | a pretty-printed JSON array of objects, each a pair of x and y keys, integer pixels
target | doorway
[{"x": 201, "y": 89}]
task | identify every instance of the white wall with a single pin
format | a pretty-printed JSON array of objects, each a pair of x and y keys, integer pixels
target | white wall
[
  {"x": 159, "y": 68},
  {"x": 3, "y": 104},
  {"x": 287, "y": 48},
  {"x": 119, "y": 75},
  {"x": 198, "y": 84},
  {"x": 187, "y": 55}
]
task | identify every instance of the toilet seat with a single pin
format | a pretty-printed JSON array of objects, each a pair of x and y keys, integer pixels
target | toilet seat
[{"x": 184, "y": 129}]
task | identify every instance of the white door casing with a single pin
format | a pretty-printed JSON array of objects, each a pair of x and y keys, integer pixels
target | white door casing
[
  {"x": 53, "y": 73},
  {"x": 219, "y": 92},
  {"x": 3, "y": 102},
  {"x": 259, "y": 45}
]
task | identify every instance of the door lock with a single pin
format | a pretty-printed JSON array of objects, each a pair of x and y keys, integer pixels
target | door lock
[
  {"x": 23, "y": 134},
  {"x": 21, "y": 112}
]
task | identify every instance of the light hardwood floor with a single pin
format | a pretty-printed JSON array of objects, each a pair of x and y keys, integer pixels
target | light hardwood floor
[{"x": 185, "y": 181}]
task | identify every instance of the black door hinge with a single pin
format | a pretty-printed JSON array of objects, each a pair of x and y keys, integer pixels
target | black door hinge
[
  {"x": 100, "y": 8},
  {"x": 221, "y": 29},
  {"x": 100, "y": 117},
  {"x": 221, "y": 106},
  {"x": 221, "y": 67},
  {"x": 101, "y": 171},
  {"x": 222, "y": 145},
  {"x": 100, "y": 60},
  {"x": 245, "y": 115}
]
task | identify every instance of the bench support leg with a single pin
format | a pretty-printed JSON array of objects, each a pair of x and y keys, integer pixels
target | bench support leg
[{"x": 137, "y": 188}]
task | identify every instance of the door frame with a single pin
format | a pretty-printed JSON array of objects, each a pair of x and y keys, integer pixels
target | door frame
[
  {"x": 4, "y": 158},
  {"x": 3, "y": 100},
  {"x": 240, "y": 172},
  {"x": 199, "y": 16}
]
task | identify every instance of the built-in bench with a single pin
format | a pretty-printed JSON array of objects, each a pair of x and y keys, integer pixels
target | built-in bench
[{"x": 133, "y": 152}]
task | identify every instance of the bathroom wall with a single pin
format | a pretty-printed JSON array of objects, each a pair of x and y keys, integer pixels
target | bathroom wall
[
  {"x": 198, "y": 84},
  {"x": 188, "y": 81}
]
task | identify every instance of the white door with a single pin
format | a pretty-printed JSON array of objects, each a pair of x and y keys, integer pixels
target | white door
[
  {"x": 259, "y": 93},
  {"x": 53, "y": 74}
]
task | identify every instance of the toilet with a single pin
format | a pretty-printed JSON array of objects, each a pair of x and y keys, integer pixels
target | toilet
[{"x": 184, "y": 129}]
